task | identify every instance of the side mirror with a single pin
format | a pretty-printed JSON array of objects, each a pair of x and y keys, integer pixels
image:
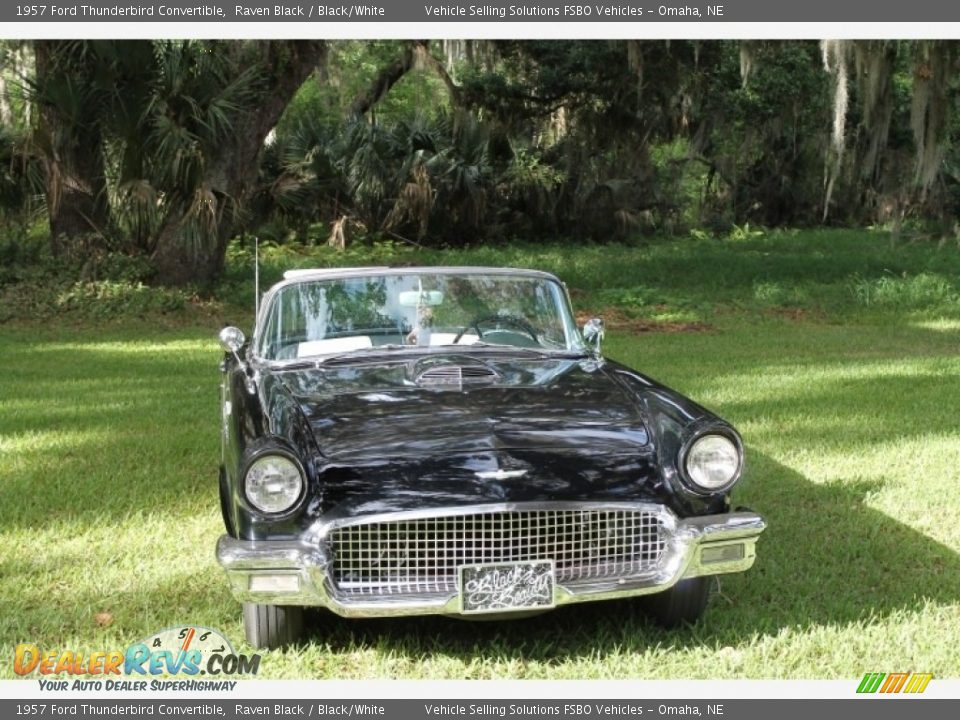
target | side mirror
[
  {"x": 593, "y": 333},
  {"x": 232, "y": 339}
]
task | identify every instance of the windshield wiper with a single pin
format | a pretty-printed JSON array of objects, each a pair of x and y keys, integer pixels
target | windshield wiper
[
  {"x": 361, "y": 353},
  {"x": 316, "y": 361}
]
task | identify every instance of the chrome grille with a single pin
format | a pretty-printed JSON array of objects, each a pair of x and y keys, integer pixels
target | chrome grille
[{"x": 421, "y": 555}]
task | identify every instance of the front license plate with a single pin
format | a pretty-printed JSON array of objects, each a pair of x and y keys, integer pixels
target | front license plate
[{"x": 502, "y": 587}]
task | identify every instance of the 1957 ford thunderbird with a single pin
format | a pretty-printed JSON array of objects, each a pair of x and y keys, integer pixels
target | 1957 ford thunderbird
[{"x": 405, "y": 441}]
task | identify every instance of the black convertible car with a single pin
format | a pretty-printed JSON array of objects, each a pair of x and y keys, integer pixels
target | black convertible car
[{"x": 405, "y": 441}]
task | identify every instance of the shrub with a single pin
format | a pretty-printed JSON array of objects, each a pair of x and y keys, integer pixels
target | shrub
[{"x": 87, "y": 300}]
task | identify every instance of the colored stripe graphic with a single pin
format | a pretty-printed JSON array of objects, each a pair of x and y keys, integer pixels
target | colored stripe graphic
[
  {"x": 892, "y": 683},
  {"x": 918, "y": 683},
  {"x": 871, "y": 682}
]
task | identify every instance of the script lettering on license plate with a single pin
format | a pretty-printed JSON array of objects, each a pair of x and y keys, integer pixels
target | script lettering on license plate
[{"x": 501, "y": 587}]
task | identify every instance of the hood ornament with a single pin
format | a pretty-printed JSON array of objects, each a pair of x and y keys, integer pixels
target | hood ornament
[{"x": 500, "y": 474}]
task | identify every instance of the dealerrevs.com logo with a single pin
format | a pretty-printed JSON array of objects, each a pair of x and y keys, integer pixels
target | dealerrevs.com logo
[
  {"x": 892, "y": 683},
  {"x": 186, "y": 651}
]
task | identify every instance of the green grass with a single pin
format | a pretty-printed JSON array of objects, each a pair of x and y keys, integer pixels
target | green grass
[{"x": 109, "y": 448}]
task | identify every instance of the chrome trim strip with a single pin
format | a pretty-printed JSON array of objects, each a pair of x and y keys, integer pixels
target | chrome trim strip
[
  {"x": 500, "y": 474},
  {"x": 309, "y": 558},
  {"x": 367, "y": 271}
]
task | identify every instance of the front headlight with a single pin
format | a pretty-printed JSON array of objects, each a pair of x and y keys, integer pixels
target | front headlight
[
  {"x": 273, "y": 483},
  {"x": 712, "y": 462}
]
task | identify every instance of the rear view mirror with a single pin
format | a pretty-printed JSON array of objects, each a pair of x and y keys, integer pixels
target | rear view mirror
[{"x": 418, "y": 298}]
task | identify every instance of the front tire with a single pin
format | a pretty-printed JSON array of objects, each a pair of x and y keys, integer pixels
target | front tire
[
  {"x": 268, "y": 627},
  {"x": 683, "y": 604}
]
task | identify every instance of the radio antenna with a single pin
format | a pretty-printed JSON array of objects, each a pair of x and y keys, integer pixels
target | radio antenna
[{"x": 256, "y": 279}]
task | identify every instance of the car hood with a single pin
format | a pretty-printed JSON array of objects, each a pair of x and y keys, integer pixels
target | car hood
[
  {"x": 421, "y": 407},
  {"x": 529, "y": 430}
]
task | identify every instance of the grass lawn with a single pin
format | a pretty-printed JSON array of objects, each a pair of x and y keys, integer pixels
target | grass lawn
[{"x": 836, "y": 356}]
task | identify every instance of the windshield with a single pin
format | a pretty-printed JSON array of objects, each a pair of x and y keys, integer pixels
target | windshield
[{"x": 314, "y": 318}]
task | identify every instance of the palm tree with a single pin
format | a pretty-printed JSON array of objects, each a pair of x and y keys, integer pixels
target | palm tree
[
  {"x": 213, "y": 105},
  {"x": 69, "y": 139}
]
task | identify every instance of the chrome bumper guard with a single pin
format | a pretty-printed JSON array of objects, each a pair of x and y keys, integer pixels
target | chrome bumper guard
[{"x": 298, "y": 572}]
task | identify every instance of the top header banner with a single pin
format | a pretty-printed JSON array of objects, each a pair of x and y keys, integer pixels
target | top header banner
[{"x": 419, "y": 11}]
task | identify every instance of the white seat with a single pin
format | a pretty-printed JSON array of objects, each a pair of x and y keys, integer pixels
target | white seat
[{"x": 437, "y": 338}]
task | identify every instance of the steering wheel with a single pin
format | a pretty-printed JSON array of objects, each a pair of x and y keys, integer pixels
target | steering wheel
[{"x": 514, "y": 320}]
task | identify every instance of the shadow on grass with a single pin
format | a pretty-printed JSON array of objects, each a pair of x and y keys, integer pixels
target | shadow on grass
[{"x": 826, "y": 558}]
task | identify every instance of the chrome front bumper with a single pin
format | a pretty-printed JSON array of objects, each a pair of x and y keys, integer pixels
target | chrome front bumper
[{"x": 299, "y": 572}]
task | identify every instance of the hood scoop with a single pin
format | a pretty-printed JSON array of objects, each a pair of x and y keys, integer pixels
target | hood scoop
[{"x": 456, "y": 375}]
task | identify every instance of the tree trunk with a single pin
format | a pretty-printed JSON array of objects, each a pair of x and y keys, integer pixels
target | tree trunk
[
  {"x": 231, "y": 173},
  {"x": 73, "y": 162},
  {"x": 75, "y": 182}
]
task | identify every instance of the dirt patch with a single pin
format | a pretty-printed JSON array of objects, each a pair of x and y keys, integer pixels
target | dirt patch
[{"x": 616, "y": 319}]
